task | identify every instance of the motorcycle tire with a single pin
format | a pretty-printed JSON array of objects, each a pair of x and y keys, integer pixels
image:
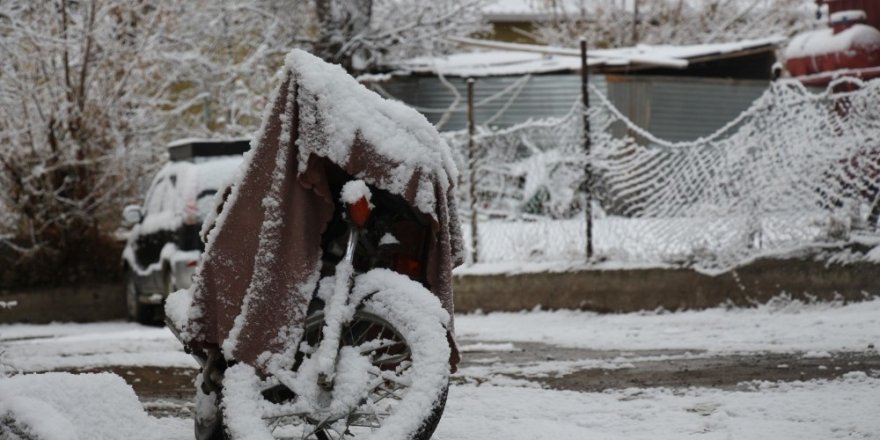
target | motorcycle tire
[
  {"x": 400, "y": 329},
  {"x": 207, "y": 417}
]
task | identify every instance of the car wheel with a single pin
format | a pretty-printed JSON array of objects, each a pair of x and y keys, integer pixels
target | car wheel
[
  {"x": 136, "y": 311},
  {"x": 168, "y": 282}
]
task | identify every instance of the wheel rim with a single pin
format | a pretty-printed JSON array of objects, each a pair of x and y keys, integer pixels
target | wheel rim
[
  {"x": 131, "y": 296},
  {"x": 170, "y": 285},
  {"x": 375, "y": 339}
]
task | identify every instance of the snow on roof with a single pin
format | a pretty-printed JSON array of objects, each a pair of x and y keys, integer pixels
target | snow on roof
[
  {"x": 193, "y": 140},
  {"x": 519, "y": 59},
  {"x": 823, "y": 41},
  {"x": 529, "y": 10}
]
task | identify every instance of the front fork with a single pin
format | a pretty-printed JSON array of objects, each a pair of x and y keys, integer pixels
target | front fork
[
  {"x": 316, "y": 374},
  {"x": 337, "y": 310}
]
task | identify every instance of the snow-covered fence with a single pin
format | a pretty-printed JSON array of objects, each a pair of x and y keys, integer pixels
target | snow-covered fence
[{"x": 796, "y": 168}]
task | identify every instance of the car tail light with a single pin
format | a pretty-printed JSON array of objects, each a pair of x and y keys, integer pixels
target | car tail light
[
  {"x": 192, "y": 263},
  {"x": 191, "y": 213},
  {"x": 408, "y": 265},
  {"x": 359, "y": 212}
]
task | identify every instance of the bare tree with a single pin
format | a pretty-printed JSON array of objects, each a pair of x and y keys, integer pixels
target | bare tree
[
  {"x": 614, "y": 23},
  {"x": 92, "y": 90},
  {"x": 79, "y": 87},
  {"x": 364, "y": 34}
]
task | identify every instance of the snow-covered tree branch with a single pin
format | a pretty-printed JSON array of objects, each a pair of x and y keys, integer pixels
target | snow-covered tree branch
[
  {"x": 92, "y": 90},
  {"x": 364, "y": 34},
  {"x": 615, "y": 23},
  {"x": 74, "y": 132}
]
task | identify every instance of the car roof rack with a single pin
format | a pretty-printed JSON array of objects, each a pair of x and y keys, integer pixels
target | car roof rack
[{"x": 189, "y": 149}]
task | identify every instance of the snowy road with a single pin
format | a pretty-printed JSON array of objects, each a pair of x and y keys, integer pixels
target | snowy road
[{"x": 783, "y": 371}]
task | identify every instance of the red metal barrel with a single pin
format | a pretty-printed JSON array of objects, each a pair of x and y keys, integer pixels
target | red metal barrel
[
  {"x": 870, "y": 7},
  {"x": 849, "y": 47}
]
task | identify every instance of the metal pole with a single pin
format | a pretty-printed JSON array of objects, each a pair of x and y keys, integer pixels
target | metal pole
[
  {"x": 472, "y": 172},
  {"x": 588, "y": 172},
  {"x": 635, "y": 29}
]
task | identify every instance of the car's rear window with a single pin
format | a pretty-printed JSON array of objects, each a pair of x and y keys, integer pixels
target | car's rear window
[{"x": 212, "y": 175}]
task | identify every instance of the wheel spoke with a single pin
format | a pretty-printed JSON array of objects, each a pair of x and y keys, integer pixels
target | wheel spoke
[
  {"x": 393, "y": 359},
  {"x": 378, "y": 344},
  {"x": 390, "y": 358}
]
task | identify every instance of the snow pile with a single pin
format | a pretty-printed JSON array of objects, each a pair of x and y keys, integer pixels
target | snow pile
[{"x": 63, "y": 406}]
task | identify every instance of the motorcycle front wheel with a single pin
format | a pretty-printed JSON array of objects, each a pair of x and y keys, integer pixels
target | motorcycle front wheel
[{"x": 398, "y": 337}]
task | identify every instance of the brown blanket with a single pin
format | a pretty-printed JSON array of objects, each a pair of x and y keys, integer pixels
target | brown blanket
[{"x": 263, "y": 255}]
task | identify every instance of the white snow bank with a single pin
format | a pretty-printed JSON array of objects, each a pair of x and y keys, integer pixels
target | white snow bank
[
  {"x": 780, "y": 326},
  {"x": 843, "y": 408},
  {"x": 63, "y": 406}
]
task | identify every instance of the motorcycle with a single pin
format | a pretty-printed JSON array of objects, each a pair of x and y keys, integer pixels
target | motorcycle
[{"x": 322, "y": 308}]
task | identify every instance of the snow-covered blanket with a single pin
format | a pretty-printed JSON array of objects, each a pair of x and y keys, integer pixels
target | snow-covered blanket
[{"x": 263, "y": 253}]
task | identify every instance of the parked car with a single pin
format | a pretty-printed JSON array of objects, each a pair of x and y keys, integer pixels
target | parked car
[{"x": 164, "y": 245}]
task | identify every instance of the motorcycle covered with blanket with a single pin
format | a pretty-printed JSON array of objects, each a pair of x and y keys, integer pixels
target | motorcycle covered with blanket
[{"x": 322, "y": 308}]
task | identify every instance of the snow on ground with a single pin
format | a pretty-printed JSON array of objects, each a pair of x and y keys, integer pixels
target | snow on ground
[
  {"x": 511, "y": 409},
  {"x": 821, "y": 409},
  {"x": 32, "y": 347},
  {"x": 779, "y": 326},
  {"x": 843, "y": 408}
]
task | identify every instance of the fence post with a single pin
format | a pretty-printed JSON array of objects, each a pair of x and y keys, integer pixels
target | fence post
[
  {"x": 472, "y": 172},
  {"x": 588, "y": 172}
]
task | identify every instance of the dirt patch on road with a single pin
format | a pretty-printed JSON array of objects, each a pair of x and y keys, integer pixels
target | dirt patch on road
[
  {"x": 154, "y": 382},
  {"x": 169, "y": 391},
  {"x": 164, "y": 391},
  {"x": 661, "y": 368},
  {"x": 726, "y": 372}
]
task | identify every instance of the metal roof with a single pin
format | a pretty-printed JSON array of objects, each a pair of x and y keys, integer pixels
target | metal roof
[{"x": 520, "y": 59}]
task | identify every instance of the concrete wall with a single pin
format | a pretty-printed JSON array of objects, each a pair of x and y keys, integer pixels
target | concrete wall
[
  {"x": 99, "y": 302},
  {"x": 628, "y": 290},
  {"x": 623, "y": 290}
]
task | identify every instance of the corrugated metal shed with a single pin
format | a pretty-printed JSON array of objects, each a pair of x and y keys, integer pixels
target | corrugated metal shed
[
  {"x": 671, "y": 108},
  {"x": 527, "y": 97},
  {"x": 682, "y": 109}
]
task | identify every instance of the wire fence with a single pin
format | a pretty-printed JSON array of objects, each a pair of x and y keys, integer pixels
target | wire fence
[{"x": 796, "y": 169}]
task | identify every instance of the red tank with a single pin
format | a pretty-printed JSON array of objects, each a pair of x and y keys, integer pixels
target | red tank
[{"x": 849, "y": 46}]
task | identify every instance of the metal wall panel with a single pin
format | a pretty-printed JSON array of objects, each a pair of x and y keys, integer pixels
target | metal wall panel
[
  {"x": 682, "y": 109},
  {"x": 541, "y": 96},
  {"x": 671, "y": 108}
]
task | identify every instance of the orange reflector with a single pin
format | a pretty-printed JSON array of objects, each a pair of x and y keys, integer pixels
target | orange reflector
[
  {"x": 359, "y": 212},
  {"x": 408, "y": 265}
]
